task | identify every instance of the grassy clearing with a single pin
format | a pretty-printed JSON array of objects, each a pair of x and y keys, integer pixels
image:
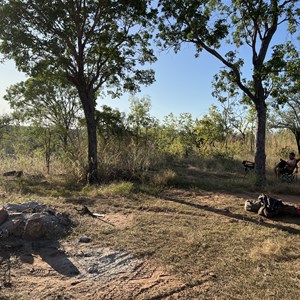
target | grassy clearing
[
  {"x": 200, "y": 235},
  {"x": 190, "y": 220},
  {"x": 212, "y": 237}
]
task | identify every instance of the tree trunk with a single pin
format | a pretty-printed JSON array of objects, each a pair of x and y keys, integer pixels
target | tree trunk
[
  {"x": 65, "y": 137},
  {"x": 92, "y": 176},
  {"x": 260, "y": 152},
  {"x": 297, "y": 136},
  {"x": 88, "y": 103},
  {"x": 48, "y": 136}
]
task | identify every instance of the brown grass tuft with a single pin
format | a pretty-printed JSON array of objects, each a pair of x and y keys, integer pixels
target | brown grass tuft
[{"x": 270, "y": 249}]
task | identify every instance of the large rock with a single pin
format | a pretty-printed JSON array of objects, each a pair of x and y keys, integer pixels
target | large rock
[
  {"x": 3, "y": 215},
  {"x": 34, "y": 228},
  {"x": 14, "y": 227},
  {"x": 26, "y": 207},
  {"x": 31, "y": 221}
]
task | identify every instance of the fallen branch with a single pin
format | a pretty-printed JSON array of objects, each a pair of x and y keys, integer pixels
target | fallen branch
[{"x": 86, "y": 211}]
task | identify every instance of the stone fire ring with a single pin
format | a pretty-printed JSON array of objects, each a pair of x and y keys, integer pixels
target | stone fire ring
[{"x": 31, "y": 220}]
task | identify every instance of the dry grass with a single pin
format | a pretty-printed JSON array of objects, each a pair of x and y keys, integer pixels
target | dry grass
[{"x": 193, "y": 224}]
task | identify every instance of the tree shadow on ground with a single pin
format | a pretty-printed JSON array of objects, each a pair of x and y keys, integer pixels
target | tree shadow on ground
[
  {"x": 236, "y": 216},
  {"x": 289, "y": 219},
  {"x": 51, "y": 253}
]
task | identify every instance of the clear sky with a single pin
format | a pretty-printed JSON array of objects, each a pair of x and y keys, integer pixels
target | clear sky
[{"x": 183, "y": 84}]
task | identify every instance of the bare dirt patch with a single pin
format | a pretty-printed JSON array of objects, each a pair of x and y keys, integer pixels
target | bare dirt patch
[
  {"x": 118, "y": 220},
  {"x": 194, "y": 245},
  {"x": 45, "y": 269}
]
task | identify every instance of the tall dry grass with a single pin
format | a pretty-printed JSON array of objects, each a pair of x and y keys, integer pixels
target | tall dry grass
[{"x": 144, "y": 162}]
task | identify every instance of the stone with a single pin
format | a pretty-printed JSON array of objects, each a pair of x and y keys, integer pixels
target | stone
[
  {"x": 13, "y": 227},
  {"x": 34, "y": 228},
  {"x": 27, "y": 207},
  {"x": 3, "y": 215},
  {"x": 85, "y": 239},
  {"x": 31, "y": 221},
  {"x": 13, "y": 173}
]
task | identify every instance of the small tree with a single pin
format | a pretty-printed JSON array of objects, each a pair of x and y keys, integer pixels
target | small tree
[
  {"x": 177, "y": 134},
  {"x": 47, "y": 103},
  {"x": 210, "y": 129},
  {"x": 139, "y": 117},
  {"x": 142, "y": 127},
  {"x": 286, "y": 96},
  {"x": 111, "y": 123},
  {"x": 5, "y": 120},
  {"x": 288, "y": 118}
]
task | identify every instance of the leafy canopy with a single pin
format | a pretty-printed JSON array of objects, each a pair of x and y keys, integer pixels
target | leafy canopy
[
  {"x": 223, "y": 28},
  {"x": 92, "y": 43}
]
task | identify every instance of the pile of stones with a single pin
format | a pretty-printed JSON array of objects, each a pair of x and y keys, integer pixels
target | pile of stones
[{"x": 31, "y": 221}]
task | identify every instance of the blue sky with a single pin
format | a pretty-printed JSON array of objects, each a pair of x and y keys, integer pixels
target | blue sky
[{"x": 183, "y": 84}]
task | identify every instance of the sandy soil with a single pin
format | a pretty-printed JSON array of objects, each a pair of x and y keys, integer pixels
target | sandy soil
[{"x": 74, "y": 270}]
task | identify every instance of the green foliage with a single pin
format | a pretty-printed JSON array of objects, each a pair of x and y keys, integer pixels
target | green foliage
[
  {"x": 120, "y": 188},
  {"x": 165, "y": 177},
  {"x": 212, "y": 138},
  {"x": 211, "y": 127},
  {"x": 139, "y": 115},
  {"x": 285, "y": 83},
  {"x": 209, "y": 24},
  {"x": 176, "y": 148},
  {"x": 177, "y": 136},
  {"x": 111, "y": 122},
  {"x": 44, "y": 101},
  {"x": 97, "y": 46},
  {"x": 139, "y": 120},
  {"x": 5, "y": 121},
  {"x": 43, "y": 37}
]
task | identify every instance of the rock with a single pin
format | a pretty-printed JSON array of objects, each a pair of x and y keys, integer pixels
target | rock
[
  {"x": 13, "y": 227},
  {"x": 3, "y": 215},
  {"x": 13, "y": 207},
  {"x": 27, "y": 207},
  {"x": 34, "y": 228},
  {"x": 64, "y": 219},
  {"x": 85, "y": 239},
  {"x": 13, "y": 173},
  {"x": 32, "y": 220}
]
